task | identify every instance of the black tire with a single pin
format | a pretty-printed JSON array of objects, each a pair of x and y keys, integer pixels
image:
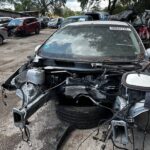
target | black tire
[
  {"x": 1, "y": 40},
  {"x": 81, "y": 117},
  {"x": 37, "y": 31}
]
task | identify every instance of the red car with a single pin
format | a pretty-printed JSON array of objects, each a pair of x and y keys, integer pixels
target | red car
[{"x": 23, "y": 26}]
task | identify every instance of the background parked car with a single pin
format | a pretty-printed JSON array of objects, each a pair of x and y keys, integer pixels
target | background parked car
[
  {"x": 140, "y": 21},
  {"x": 127, "y": 15},
  {"x": 3, "y": 34},
  {"x": 76, "y": 19},
  {"x": 4, "y": 21},
  {"x": 55, "y": 23},
  {"x": 23, "y": 26},
  {"x": 44, "y": 21},
  {"x": 98, "y": 15}
]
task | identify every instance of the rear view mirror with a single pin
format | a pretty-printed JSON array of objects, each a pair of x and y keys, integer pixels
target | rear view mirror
[{"x": 36, "y": 48}]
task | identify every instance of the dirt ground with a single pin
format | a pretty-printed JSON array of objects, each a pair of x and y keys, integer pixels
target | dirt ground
[{"x": 43, "y": 123}]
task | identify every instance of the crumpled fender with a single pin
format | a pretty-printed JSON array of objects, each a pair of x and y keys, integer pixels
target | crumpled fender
[
  {"x": 7, "y": 84},
  {"x": 138, "y": 109}
]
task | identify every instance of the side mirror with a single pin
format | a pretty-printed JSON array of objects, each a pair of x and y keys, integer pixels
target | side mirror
[
  {"x": 36, "y": 48},
  {"x": 147, "y": 53}
]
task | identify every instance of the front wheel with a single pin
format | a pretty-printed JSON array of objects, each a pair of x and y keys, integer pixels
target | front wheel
[
  {"x": 37, "y": 31},
  {"x": 82, "y": 117},
  {"x": 1, "y": 40}
]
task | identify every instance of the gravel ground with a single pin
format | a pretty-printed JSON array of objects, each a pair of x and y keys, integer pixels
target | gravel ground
[{"x": 43, "y": 123}]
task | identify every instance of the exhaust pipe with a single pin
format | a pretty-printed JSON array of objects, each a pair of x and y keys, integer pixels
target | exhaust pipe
[{"x": 21, "y": 115}]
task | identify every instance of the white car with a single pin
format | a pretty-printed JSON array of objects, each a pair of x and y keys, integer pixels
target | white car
[
  {"x": 3, "y": 35},
  {"x": 4, "y": 21}
]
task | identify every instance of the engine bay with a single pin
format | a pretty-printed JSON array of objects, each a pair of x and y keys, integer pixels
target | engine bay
[{"x": 103, "y": 86}]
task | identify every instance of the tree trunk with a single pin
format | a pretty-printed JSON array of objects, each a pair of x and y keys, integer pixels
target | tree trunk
[
  {"x": 112, "y": 6},
  {"x": 147, "y": 4},
  {"x": 109, "y": 5}
]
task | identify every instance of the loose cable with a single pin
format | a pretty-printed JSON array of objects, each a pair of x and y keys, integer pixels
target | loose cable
[{"x": 118, "y": 146}]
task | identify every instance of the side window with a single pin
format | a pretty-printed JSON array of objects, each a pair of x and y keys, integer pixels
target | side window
[
  {"x": 34, "y": 20},
  {"x": 31, "y": 20},
  {"x": 27, "y": 21},
  {"x": 61, "y": 20},
  {"x": 4, "y": 20}
]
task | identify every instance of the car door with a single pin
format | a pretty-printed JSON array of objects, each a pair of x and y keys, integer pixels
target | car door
[
  {"x": 30, "y": 27},
  {"x": 27, "y": 26},
  {"x": 33, "y": 24}
]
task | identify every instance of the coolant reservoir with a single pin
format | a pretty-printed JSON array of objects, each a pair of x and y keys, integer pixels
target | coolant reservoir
[{"x": 36, "y": 76}]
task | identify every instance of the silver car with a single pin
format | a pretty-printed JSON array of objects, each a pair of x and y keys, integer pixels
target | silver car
[{"x": 3, "y": 34}]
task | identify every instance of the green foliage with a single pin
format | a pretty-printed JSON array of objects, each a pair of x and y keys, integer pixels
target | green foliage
[
  {"x": 115, "y": 6},
  {"x": 96, "y": 8},
  {"x": 68, "y": 12},
  {"x": 58, "y": 12},
  {"x": 78, "y": 13},
  {"x": 48, "y": 5},
  {"x": 23, "y": 5},
  {"x": 83, "y": 3},
  {"x": 119, "y": 8}
]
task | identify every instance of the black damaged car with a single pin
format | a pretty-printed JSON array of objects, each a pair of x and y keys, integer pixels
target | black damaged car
[{"x": 95, "y": 70}]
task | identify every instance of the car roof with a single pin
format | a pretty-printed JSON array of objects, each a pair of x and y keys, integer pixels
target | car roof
[
  {"x": 85, "y": 16},
  {"x": 99, "y": 23},
  {"x": 23, "y": 18}
]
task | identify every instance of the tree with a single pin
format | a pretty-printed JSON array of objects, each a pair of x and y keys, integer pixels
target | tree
[
  {"x": 42, "y": 5},
  {"x": 83, "y": 3},
  {"x": 140, "y": 5},
  {"x": 119, "y": 8},
  {"x": 23, "y": 5},
  {"x": 96, "y": 8},
  {"x": 90, "y": 5},
  {"x": 147, "y": 4},
  {"x": 58, "y": 12},
  {"x": 46, "y": 5},
  {"x": 112, "y": 6},
  {"x": 86, "y": 4},
  {"x": 68, "y": 12}
]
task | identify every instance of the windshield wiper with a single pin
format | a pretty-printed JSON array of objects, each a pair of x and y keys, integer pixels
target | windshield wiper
[
  {"x": 120, "y": 44},
  {"x": 116, "y": 64}
]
